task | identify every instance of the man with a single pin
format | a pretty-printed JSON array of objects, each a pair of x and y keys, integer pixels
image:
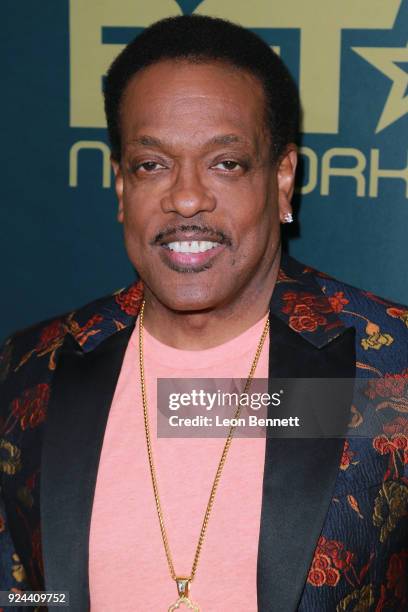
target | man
[{"x": 202, "y": 118}]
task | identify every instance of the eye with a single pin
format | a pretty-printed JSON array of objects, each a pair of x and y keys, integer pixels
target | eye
[
  {"x": 227, "y": 164},
  {"x": 149, "y": 166}
]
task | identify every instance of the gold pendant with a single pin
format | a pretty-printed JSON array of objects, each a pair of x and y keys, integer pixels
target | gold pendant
[{"x": 183, "y": 588}]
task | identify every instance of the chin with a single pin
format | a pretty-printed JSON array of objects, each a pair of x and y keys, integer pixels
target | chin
[{"x": 187, "y": 296}]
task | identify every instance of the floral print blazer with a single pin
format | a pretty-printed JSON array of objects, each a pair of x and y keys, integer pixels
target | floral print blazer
[{"x": 333, "y": 532}]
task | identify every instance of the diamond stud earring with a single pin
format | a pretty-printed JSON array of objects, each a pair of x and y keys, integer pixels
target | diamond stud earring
[{"x": 288, "y": 218}]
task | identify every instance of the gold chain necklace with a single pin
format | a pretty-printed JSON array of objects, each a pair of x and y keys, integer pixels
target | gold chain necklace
[{"x": 183, "y": 582}]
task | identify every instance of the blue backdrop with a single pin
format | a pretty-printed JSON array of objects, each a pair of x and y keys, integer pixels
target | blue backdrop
[{"x": 61, "y": 245}]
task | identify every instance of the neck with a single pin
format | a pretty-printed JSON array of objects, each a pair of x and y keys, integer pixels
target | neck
[{"x": 201, "y": 330}]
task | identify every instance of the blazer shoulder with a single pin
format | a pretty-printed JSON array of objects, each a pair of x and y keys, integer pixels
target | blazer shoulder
[
  {"x": 381, "y": 324},
  {"x": 346, "y": 299},
  {"x": 42, "y": 340}
]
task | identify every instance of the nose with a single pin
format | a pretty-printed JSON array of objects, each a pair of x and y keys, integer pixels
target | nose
[{"x": 187, "y": 195}]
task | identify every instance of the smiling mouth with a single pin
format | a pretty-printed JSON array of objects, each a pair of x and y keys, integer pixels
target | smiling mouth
[
  {"x": 190, "y": 255},
  {"x": 194, "y": 246}
]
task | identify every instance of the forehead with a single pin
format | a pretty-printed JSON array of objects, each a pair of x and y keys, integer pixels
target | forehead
[{"x": 181, "y": 99}]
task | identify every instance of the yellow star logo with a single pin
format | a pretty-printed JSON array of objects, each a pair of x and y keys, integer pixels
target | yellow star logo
[{"x": 386, "y": 60}]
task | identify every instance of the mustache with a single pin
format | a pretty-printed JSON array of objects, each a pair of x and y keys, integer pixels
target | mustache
[{"x": 174, "y": 231}]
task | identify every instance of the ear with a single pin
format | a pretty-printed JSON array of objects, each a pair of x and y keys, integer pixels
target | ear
[
  {"x": 118, "y": 188},
  {"x": 286, "y": 169}
]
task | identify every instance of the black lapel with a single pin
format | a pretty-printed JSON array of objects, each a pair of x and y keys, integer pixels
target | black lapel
[
  {"x": 82, "y": 391},
  {"x": 299, "y": 474}
]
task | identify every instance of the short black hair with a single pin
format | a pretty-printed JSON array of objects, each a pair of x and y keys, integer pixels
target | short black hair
[{"x": 199, "y": 38}]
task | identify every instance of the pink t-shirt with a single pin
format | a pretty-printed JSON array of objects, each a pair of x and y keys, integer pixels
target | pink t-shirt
[{"x": 128, "y": 569}]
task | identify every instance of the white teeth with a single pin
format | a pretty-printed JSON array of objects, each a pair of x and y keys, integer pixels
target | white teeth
[{"x": 196, "y": 246}]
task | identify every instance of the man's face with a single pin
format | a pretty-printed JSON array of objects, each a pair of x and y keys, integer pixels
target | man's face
[{"x": 199, "y": 197}]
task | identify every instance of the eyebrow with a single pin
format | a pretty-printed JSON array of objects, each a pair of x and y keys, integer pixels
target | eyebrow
[
  {"x": 226, "y": 139},
  {"x": 147, "y": 141},
  {"x": 223, "y": 139}
]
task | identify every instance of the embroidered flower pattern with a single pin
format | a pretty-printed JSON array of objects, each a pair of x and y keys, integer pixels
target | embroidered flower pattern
[
  {"x": 375, "y": 338},
  {"x": 390, "y": 506},
  {"x": 30, "y": 408},
  {"x": 390, "y": 391},
  {"x": 337, "y": 301},
  {"x": 399, "y": 313},
  {"x": 84, "y": 332},
  {"x": 359, "y": 600},
  {"x": 390, "y": 385},
  {"x": 347, "y": 456},
  {"x": 306, "y": 311},
  {"x": 330, "y": 559},
  {"x": 51, "y": 338},
  {"x": 394, "y": 442},
  {"x": 130, "y": 299},
  {"x": 10, "y": 457},
  {"x": 394, "y": 595},
  {"x": 18, "y": 570}
]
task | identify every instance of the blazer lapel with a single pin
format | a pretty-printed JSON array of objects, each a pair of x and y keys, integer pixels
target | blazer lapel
[
  {"x": 299, "y": 474},
  {"x": 82, "y": 391}
]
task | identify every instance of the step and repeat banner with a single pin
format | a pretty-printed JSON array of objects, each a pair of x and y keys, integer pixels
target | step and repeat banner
[{"x": 61, "y": 245}]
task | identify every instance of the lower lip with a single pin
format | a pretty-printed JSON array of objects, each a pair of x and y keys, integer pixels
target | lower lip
[{"x": 191, "y": 260}]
